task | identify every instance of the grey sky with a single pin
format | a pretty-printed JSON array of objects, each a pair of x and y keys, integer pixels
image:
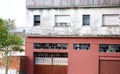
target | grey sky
[{"x": 14, "y": 9}]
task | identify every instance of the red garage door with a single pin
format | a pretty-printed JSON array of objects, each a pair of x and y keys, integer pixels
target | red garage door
[{"x": 110, "y": 67}]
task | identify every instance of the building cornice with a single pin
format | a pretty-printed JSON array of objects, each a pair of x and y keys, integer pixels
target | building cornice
[
  {"x": 83, "y": 36},
  {"x": 69, "y": 7}
]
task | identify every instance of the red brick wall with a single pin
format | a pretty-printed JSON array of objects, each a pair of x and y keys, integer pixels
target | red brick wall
[{"x": 15, "y": 62}]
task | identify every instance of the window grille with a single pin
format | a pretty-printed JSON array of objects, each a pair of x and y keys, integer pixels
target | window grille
[
  {"x": 81, "y": 46},
  {"x": 109, "y": 48},
  {"x": 50, "y": 46},
  {"x": 51, "y": 58}
]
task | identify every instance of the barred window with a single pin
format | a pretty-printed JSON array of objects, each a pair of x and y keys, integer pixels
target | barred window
[
  {"x": 109, "y": 48},
  {"x": 81, "y": 46},
  {"x": 50, "y": 46},
  {"x": 51, "y": 58}
]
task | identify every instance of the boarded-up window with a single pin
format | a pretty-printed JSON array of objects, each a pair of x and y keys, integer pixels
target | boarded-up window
[
  {"x": 111, "y": 19},
  {"x": 62, "y": 20}
]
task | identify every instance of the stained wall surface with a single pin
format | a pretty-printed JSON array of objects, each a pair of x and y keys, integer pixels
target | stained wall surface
[{"x": 79, "y": 61}]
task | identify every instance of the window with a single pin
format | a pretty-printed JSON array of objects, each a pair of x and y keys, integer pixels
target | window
[
  {"x": 51, "y": 58},
  {"x": 81, "y": 46},
  {"x": 86, "y": 20},
  {"x": 50, "y": 46},
  {"x": 111, "y": 19},
  {"x": 109, "y": 48},
  {"x": 36, "y": 20},
  {"x": 62, "y": 21}
]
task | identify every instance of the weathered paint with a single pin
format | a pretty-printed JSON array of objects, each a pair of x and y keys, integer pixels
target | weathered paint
[
  {"x": 109, "y": 66},
  {"x": 71, "y": 3},
  {"x": 50, "y": 69},
  {"x": 96, "y": 28},
  {"x": 79, "y": 61}
]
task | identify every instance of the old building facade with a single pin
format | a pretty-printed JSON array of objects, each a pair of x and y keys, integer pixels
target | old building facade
[{"x": 73, "y": 36}]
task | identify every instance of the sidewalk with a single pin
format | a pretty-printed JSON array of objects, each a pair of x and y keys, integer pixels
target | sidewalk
[{"x": 11, "y": 71}]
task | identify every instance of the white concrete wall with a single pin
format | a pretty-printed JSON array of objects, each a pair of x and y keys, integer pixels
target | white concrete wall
[{"x": 47, "y": 26}]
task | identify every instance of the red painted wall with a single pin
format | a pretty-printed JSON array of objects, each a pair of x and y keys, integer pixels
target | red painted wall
[
  {"x": 30, "y": 59},
  {"x": 79, "y": 61},
  {"x": 87, "y": 61}
]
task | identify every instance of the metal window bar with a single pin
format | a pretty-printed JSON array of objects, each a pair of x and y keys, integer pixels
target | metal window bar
[
  {"x": 62, "y": 46},
  {"x": 109, "y": 48},
  {"x": 51, "y": 58},
  {"x": 81, "y": 46}
]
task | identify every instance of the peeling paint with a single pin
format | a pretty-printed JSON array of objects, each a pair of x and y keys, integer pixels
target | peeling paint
[
  {"x": 96, "y": 28},
  {"x": 71, "y": 3}
]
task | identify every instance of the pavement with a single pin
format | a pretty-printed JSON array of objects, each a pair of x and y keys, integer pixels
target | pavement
[{"x": 10, "y": 71}]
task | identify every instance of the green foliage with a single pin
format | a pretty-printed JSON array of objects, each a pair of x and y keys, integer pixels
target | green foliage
[
  {"x": 13, "y": 39},
  {"x": 3, "y": 33},
  {"x": 17, "y": 48}
]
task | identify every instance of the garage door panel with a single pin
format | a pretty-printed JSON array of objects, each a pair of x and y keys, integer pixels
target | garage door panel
[
  {"x": 109, "y": 67},
  {"x": 59, "y": 69},
  {"x": 43, "y": 69},
  {"x": 50, "y": 69}
]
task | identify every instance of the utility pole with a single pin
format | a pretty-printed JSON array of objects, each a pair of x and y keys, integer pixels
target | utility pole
[{"x": 6, "y": 51}]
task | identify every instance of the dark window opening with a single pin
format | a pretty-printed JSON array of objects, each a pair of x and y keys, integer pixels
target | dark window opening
[
  {"x": 86, "y": 20},
  {"x": 50, "y": 46},
  {"x": 81, "y": 46},
  {"x": 109, "y": 48},
  {"x": 62, "y": 24},
  {"x": 45, "y": 54},
  {"x": 36, "y": 20}
]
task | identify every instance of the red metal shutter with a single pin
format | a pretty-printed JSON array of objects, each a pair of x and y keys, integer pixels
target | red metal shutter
[{"x": 110, "y": 67}]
